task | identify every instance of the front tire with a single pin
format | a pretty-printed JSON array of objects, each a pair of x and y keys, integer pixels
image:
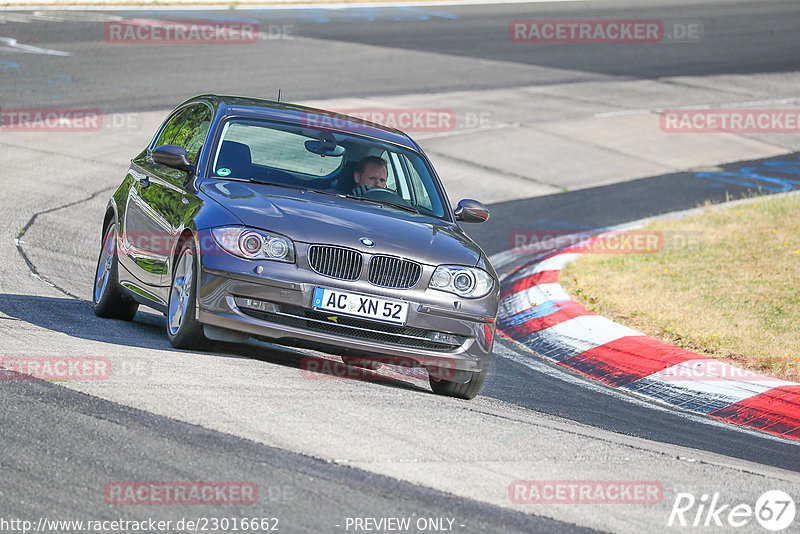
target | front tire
[
  {"x": 183, "y": 329},
  {"x": 468, "y": 390},
  {"x": 108, "y": 300}
]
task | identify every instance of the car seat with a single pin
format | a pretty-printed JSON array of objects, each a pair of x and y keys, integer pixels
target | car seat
[
  {"x": 235, "y": 157},
  {"x": 345, "y": 181}
]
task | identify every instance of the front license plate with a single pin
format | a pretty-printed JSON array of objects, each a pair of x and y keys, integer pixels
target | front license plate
[{"x": 355, "y": 305}]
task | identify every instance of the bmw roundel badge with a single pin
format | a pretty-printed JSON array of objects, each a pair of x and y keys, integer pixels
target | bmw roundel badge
[{"x": 367, "y": 242}]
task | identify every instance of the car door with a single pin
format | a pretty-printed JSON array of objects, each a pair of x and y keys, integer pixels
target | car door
[{"x": 158, "y": 201}]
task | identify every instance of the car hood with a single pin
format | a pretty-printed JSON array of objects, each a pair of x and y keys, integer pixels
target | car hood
[{"x": 311, "y": 217}]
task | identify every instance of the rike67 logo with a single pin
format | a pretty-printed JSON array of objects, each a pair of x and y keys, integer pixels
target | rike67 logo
[{"x": 774, "y": 510}]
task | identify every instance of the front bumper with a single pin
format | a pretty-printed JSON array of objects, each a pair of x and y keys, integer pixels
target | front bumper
[{"x": 275, "y": 304}]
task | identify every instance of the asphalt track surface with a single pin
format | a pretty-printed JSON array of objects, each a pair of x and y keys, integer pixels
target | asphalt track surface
[
  {"x": 49, "y": 427},
  {"x": 102, "y": 440},
  {"x": 739, "y": 37}
]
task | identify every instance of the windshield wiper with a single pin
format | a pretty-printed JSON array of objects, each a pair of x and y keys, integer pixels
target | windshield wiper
[
  {"x": 301, "y": 188},
  {"x": 298, "y": 187},
  {"x": 253, "y": 180},
  {"x": 385, "y": 203}
]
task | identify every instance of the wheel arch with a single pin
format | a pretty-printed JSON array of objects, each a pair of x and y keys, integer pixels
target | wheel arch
[
  {"x": 111, "y": 214},
  {"x": 186, "y": 234}
]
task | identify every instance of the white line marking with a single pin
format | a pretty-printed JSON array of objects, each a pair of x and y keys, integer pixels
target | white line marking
[
  {"x": 607, "y": 114},
  {"x": 12, "y": 45},
  {"x": 725, "y": 105},
  {"x": 469, "y": 130}
]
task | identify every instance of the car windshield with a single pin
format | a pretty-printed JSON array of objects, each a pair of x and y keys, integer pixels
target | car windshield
[{"x": 309, "y": 158}]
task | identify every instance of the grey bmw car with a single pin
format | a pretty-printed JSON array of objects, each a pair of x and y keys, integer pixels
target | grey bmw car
[{"x": 252, "y": 218}]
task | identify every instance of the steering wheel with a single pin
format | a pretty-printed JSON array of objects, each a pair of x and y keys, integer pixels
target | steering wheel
[{"x": 386, "y": 195}]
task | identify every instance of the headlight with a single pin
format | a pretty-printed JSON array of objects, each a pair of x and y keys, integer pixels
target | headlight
[
  {"x": 469, "y": 282},
  {"x": 254, "y": 244}
]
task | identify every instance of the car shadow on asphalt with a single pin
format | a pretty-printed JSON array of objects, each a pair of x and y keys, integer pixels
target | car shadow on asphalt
[{"x": 75, "y": 318}]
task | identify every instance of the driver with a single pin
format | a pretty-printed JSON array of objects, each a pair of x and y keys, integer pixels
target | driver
[{"x": 370, "y": 173}]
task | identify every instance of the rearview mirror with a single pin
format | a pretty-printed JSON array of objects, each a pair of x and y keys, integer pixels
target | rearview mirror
[
  {"x": 471, "y": 211},
  {"x": 173, "y": 156},
  {"x": 322, "y": 148}
]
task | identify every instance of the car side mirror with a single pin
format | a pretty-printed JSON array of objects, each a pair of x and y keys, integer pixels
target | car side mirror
[
  {"x": 173, "y": 156},
  {"x": 471, "y": 211}
]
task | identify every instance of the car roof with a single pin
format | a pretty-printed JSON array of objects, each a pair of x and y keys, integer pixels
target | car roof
[{"x": 305, "y": 116}]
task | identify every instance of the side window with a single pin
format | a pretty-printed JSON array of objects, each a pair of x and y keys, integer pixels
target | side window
[
  {"x": 398, "y": 177},
  {"x": 171, "y": 128},
  {"x": 420, "y": 191},
  {"x": 192, "y": 134},
  {"x": 188, "y": 128}
]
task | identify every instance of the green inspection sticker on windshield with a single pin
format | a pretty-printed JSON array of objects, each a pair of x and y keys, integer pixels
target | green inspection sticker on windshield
[{"x": 223, "y": 171}]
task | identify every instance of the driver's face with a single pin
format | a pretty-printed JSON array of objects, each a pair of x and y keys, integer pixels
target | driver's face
[{"x": 373, "y": 176}]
